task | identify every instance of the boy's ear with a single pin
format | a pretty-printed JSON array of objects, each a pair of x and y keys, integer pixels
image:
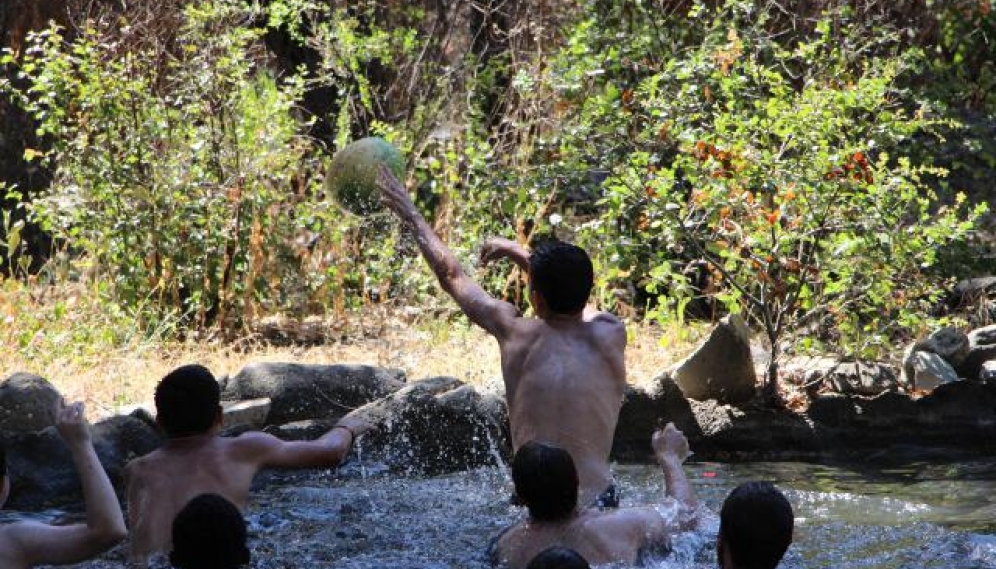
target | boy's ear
[{"x": 219, "y": 417}]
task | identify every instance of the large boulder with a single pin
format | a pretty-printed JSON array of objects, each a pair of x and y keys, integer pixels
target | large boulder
[
  {"x": 722, "y": 367},
  {"x": 861, "y": 378},
  {"x": 931, "y": 370},
  {"x": 949, "y": 342},
  {"x": 27, "y": 403},
  {"x": 982, "y": 348},
  {"x": 436, "y": 425},
  {"x": 42, "y": 469},
  {"x": 307, "y": 391},
  {"x": 645, "y": 410}
]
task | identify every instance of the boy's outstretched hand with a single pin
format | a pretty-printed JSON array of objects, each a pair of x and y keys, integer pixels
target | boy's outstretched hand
[
  {"x": 669, "y": 441},
  {"x": 393, "y": 193},
  {"x": 70, "y": 422}
]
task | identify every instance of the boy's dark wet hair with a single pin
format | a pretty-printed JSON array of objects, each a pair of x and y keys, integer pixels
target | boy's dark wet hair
[
  {"x": 3, "y": 462},
  {"x": 209, "y": 533},
  {"x": 187, "y": 401},
  {"x": 558, "y": 558},
  {"x": 563, "y": 275},
  {"x": 546, "y": 481},
  {"x": 755, "y": 525}
]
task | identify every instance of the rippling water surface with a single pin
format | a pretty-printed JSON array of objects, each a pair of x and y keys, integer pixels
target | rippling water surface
[{"x": 919, "y": 515}]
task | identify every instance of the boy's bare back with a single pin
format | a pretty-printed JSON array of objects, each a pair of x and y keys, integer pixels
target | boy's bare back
[
  {"x": 564, "y": 371},
  {"x": 161, "y": 483},
  {"x": 564, "y": 381},
  {"x": 194, "y": 460}
]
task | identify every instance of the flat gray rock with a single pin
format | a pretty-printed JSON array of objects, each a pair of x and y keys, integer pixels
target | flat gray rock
[
  {"x": 931, "y": 370},
  {"x": 309, "y": 391}
]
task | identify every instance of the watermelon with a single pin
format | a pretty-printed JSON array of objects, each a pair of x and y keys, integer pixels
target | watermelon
[{"x": 352, "y": 176}]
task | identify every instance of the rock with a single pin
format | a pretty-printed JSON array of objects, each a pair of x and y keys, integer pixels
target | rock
[
  {"x": 301, "y": 430},
  {"x": 27, "y": 403},
  {"x": 981, "y": 348},
  {"x": 42, "y": 469},
  {"x": 983, "y": 336},
  {"x": 861, "y": 378},
  {"x": 968, "y": 290},
  {"x": 908, "y": 373},
  {"x": 721, "y": 368},
  {"x": 436, "y": 425},
  {"x": 833, "y": 410},
  {"x": 304, "y": 391},
  {"x": 950, "y": 343},
  {"x": 644, "y": 411},
  {"x": 988, "y": 372},
  {"x": 931, "y": 370},
  {"x": 245, "y": 415}
]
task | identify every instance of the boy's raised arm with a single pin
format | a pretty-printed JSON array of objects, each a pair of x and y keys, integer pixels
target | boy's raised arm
[
  {"x": 671, "y": 450},
  {"x": 484, "y": 310},
  {"x": 43, "y": 544}
]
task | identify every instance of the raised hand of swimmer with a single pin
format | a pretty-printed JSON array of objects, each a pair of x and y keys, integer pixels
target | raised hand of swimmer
[
  {"x": 70, "y": 422},
  {"x": 393, "y": 193},
  {"x": 670, "y": 442},
  {"x": 495, "y": 248}
]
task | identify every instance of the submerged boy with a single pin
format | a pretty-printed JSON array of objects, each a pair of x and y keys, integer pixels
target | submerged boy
[
  {"x": 26, "y": 544},
  {"x": 564, "y": 371},
  {"x": 194, "y": 460}
]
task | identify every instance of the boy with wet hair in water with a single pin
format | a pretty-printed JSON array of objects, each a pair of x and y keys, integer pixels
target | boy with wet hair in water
[
  {"x": 26, "y": 544},
  {"x": 755, "y": 527},
  {"x": 195, "y": 460},
  {"x": 564, "y": 371},
  {"x": 209, "y": 533},
  {"x": 558, "y": 558},
  {"x": 547, "y": 482}
]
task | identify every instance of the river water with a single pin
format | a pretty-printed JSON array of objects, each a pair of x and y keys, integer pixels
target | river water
[{"x": 918, "y": 515}]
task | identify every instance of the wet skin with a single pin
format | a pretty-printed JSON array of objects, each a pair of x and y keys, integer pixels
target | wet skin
[{"x": 564, "y": 373}]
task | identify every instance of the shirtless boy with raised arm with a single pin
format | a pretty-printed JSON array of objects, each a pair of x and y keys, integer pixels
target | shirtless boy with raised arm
[
  {"x": 564, "y": 371},
  {"x": 26, "y": 544},
  {"x": 194, "y": 460}
]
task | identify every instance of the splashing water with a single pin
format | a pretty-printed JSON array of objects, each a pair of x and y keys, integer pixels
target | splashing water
[{"x": 921, "y": 516}]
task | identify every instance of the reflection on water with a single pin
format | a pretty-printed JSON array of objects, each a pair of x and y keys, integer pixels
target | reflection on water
[{"x": 915, "y": 516}]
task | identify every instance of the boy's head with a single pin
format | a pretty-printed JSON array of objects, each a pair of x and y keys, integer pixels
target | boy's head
[
  {"x": 755, "y": 527},
  {"x": 546, "y": 481},
  {"x": 209, "y": 533},
  {"x": 188, "y": 401},
  {"x": 4, "y": 479},
  {"x": 558, "y": 558},
  {"x": 561, "y": 276}
]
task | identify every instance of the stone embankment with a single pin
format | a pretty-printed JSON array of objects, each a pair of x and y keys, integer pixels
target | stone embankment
[{"x": 943, "y": 398}]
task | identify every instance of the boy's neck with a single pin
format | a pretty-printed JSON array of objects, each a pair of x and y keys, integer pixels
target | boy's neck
[{"x": 184, "y": 441}]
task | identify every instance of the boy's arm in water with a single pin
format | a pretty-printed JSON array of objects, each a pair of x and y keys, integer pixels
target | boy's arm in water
[
  {"x": 33, "y": 543},
  {"x": 329, "y": 450},
  {"x": 679, "y": 511},
  {"x": 671, "y": 450},
  {"x": 487, "y": 312}
]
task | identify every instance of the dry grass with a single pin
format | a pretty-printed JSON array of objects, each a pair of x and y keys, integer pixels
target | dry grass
[{"x": 91, "y": 355}]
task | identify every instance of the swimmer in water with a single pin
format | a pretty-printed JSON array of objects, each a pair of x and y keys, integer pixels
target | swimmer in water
[
  {"x": 755, "y": 527},
  {"x": 194, "y": 460},
  {"x": 546, "y": 481},
  {"x": 26, "y": 544},
  {"x": 564, "y": 370},
  {"x": 209, "y": 533}
]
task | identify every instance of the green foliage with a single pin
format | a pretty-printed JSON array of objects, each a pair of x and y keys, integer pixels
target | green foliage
[
  {"x": 769, "y": 162},
  {"x": 178, "y": 172}
]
